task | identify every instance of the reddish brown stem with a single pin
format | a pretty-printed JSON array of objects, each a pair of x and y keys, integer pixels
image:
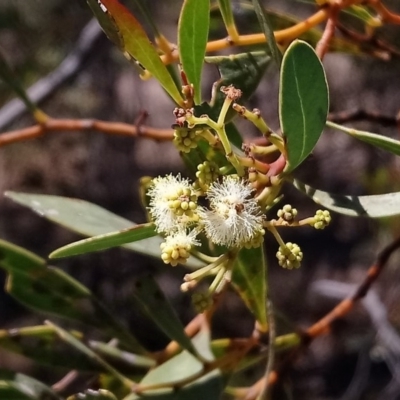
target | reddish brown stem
[
  {"x": 64, "y": 125},
  {"x": 346, "y": 305},
  {"x": 329, "y": 32}
]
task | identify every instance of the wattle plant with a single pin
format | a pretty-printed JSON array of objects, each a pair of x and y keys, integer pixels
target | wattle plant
[{"x": 213, "y": 222}]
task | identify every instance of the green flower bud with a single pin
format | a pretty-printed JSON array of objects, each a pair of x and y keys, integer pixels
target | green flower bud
[
  {"x": 322, "y": 219},
  {"x": 289, "y": 256},
  {"x": 201, "y": 301},
  {"x": 287, "y": 213},
  {"x": 185, "y": 139},
  {"x": 207, "y": 172},
  {"x": 256, "y": 241}
]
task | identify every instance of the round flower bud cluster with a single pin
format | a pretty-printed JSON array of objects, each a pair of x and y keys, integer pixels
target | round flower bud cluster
[
  {"x": 256, "y": 241},
  {"x": 176, "y": 248},
  {"x": 287, "y": 213},
  {"x": 233, "y": 219},
  {"x": 322, "y": 218},
  {"x": 207, "y": 172},
  {"x": 289, "y": 256},
  {"x": 186, "y": 139},
  {"x": 183, "y": 202},
  {"x": 202, "y": 301}
]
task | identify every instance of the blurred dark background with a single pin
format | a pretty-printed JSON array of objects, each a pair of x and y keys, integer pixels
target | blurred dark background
[{"x": 355, "y": 361}]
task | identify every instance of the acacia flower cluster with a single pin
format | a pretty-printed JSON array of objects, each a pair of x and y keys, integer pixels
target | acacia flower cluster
[{"x": 233, "y": 219}]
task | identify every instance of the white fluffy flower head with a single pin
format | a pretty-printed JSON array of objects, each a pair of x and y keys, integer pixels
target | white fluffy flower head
[
  {"x": 235, "y": 217},
  {"x": 172, "y": 203}
]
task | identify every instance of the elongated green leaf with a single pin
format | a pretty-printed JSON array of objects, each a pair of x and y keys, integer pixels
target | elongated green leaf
[
  {"x": 268, "y": 31},
  {"x": 249, "y": 280},
  {"x": 41, "y": 344},
  {"x": 193, "y": 27},
  {"x": 180, "y": 368},
  {"x": 127, "y": 31},
  {"x": 153, "y": 302},
  {"x": 51, "y": 290},
  {"x": 118, "y": 356},
  {"x": 77, "y": 344},
  {"x": 87, "y": 219},
  {"x": 225, "y": 7},
  {"x": 364, "y": 14},
  {"x": 374, "y": 206},
  {"x": 303, "y": 101},
  {"x": 380, "y": 141},
  {"x": 91, "y": 394},
  {"x": 107, "y": 23},
  {"x": 107, "y": 241},
  {"x": 16, "y": 386},
  {"x": 244, "y": 71}
]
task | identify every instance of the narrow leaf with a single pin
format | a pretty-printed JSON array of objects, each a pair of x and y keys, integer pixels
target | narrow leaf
[
  {"x": 51, "y": 290},
  {"x": 42, "y": 345},
  {"x": 364, "y": 14},
  {"x": 131, "y": 35},
  {"x": 87, "y": 219},
  {"x": 16, "y": 386},
  {"x": 268, "y": 31},
  {"x": 193, "y": 28},
  {"x": 383, "y": 142},
  {"x": 153, "y": 302},
  {"x": 181, "y": 368},
  {"x": 225, "y": 7},
  {"x": 303, "y": 101},
  {"x": 249, "y": 280},
  {"x": 374, "y": 206},
  {"x": 111, "y": 352},
  {"x": 107, "y": 23},
  {"x": 74, "y": 342},
  {"x": 107, "y": 241}
]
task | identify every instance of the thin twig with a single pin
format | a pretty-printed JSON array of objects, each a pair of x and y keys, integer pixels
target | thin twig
[
  {"x": 329, "y": 32},
  {"x": 346, "y": 305},
  {"x": 358, "y": 114},
  {"x": 65, "y": 381},
  {"x": 386, "y": 15}
]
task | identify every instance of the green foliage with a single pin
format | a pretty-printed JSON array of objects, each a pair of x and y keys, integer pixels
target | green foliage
[
  {"x": 192, "y": 40},
  {"x": 354, "y": 206},
  {"x": 129, "y": 34},
  {"x": 249, "y": 279},
  {"x": 214, "y": 223},
  {"x": 268, "y": 30},
  {"x": 16, "y": 386},
  {"x": 107, "y": 241},
  {"x": 303, "y": 101},
  {"x": 51, "y": 290}
]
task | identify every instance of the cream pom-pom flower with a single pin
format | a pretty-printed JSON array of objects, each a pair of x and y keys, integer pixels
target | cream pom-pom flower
[
  {"x": 234, "y": 218},
  {"x": 173, "y": 203}
]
